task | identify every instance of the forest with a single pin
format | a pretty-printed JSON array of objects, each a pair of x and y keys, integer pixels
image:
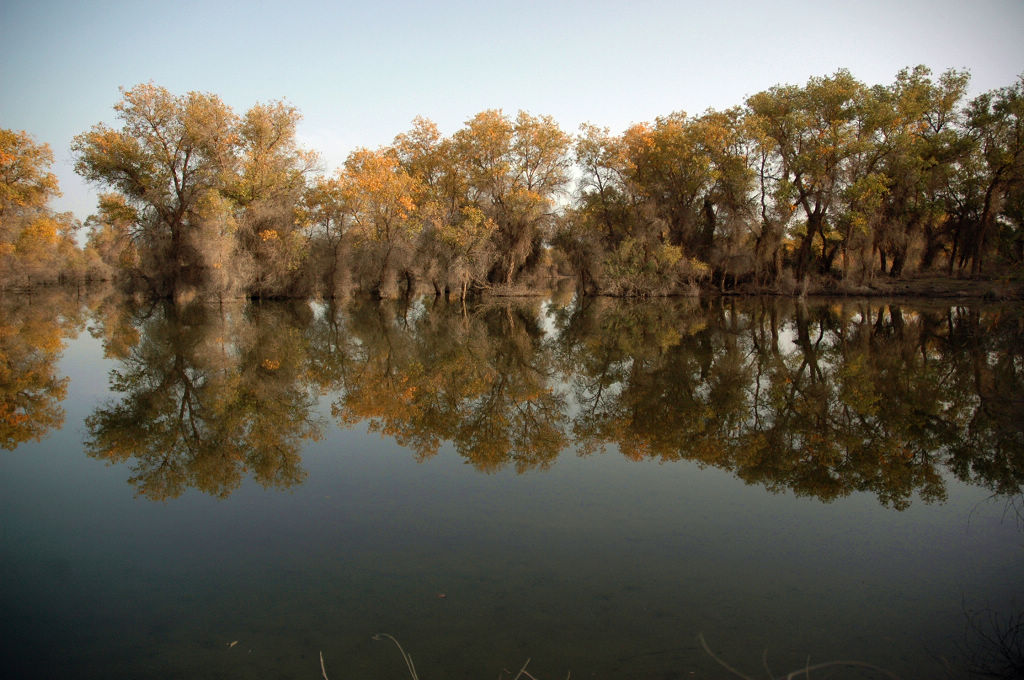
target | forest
[{"x": 830, "y": 186}]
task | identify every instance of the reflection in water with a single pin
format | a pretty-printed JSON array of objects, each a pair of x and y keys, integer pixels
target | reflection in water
[
  {"x": 820, "y": 400},
  {"x": 486, "y": 383},
  {"x": 32, "y": 333},
  {"x": 209, "y": 394}
]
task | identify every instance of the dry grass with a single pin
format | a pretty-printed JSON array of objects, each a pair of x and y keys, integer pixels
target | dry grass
[
  {"x": 522, "y": 674},
  {"x": 804, "y": 672}
]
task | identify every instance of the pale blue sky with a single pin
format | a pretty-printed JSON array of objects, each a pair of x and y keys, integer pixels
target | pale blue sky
[{"x": 360, "y": 72}]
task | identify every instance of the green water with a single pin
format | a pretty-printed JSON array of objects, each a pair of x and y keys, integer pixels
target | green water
[{"x": 588, "y": 486}]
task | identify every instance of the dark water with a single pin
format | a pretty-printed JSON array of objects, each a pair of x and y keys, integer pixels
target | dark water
[{"x": 586, "y": 486}]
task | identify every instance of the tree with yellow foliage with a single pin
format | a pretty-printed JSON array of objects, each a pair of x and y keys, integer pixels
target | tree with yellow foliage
[
  {"x": 170, "y": 152},
  {"x": 36, "y": 244},
  {"x": 267, "y": 189},
  {"x": 515, "y": 170},
  {"x": 384, "y": 218},
  {"x": 454, "y": 246},
  {"x": 215, "y": 196}
]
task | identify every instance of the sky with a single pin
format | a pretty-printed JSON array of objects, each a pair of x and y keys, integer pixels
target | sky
[{"x": 361, "y": 71}]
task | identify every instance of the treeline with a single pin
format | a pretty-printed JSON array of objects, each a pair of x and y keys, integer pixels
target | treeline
[
  {"x": 206, "y": 202},
  {"x": 831, "y": 183},
  {"x": 834, "y": 179}
]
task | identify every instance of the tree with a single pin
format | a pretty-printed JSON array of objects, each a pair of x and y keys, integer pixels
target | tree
[
  {"x": 818, "y": 138},
  {"x": 46, "y": 250},
  {"x": 454, "y": 244},
  {"x": 384, "y": 220},
  {"x": 663, "y": 202},
  {"x": 267, "y": 190},
  {"x": 26, "y": 184},
  {"x": 36, "y": 244},
  {"x": 514, "y": 171},
  {"x": 111, "y": 236},
  {"x": 921, "y": 140},
  {"x": 602, "y": 211},
  {"x": 995, "y": 120},
  {"x": 170, "y": 155},
  {"x": 328, "y": 214},
  {"x": 216, "y": 197}
]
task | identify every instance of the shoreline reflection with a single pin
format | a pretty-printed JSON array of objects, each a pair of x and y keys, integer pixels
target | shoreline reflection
[{"x": 822, "y": 400}]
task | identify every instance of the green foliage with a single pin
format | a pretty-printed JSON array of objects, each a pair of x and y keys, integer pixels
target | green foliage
[{"x": 635, "y": 269}]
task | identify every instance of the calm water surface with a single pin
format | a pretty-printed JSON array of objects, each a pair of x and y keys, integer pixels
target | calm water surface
[{"x": 228, "y": 491}]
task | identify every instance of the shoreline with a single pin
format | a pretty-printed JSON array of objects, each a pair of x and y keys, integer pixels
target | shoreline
[{"x": 920, "y": 287}]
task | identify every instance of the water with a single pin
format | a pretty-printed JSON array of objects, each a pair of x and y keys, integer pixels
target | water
[{"x": 231, "y": 491}]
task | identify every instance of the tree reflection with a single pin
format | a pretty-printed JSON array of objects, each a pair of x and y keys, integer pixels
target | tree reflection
[
  {"x": 32, "y": 333},
  {"x": 428, "y": 375},
  {"x": 210, "y": 394},
  {"x": 821, "y": 401},
  {"x": 986, "y": 360},
  {"x": 818, "y": 400}
]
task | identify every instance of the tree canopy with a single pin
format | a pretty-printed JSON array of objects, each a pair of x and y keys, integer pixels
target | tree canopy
[{"x": 834, "y": 184}]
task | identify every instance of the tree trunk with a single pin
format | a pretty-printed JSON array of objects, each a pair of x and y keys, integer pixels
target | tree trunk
[
  {"x": 932, "y": 246},
  {"x": 803, "y": 254},
  {"x": 806, "y": 251},
  {"x": 899, "y": 259},
  {"x": 993, "y": 204},
  {"x": 710, "y": 222}
]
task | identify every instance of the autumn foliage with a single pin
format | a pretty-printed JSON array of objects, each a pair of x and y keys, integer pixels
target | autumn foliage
[{"x": 830, "y": 185}]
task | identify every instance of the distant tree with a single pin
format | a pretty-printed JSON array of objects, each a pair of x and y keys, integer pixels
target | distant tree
[
  {"x": 603, "y": 209},
  {"x": 920, "y": 133},
  {"x": 692, "y": 174},
  {"x": 454, "y": 249},
  {"x": 662, "y": 204},
  {"x": 817, "y": 141},
  {"x": 328, "y": 218},
  {"x": 26, "y": 183},
  {"x": 112, "y": 236}
]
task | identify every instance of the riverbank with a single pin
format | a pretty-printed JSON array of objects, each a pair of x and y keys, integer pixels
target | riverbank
[
  {"x": 917, "y": 286},
  {"x": 922, "y": 286},
  {"x": 931, "y": 286}
]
